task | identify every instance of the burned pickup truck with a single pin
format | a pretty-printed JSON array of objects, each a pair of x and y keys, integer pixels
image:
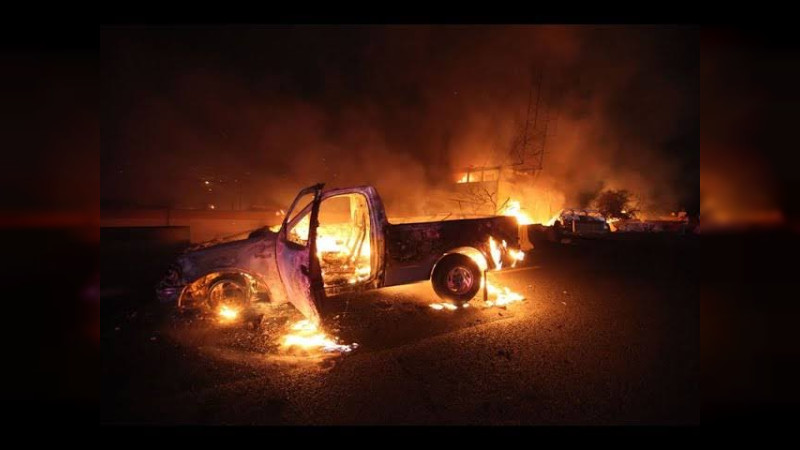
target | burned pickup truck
[{"x": 335, "y": 242}]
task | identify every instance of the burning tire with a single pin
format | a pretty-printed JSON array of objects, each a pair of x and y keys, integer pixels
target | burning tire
[
  {"x": 229, "y": 290},
  {"x": 456, "y": 277}
]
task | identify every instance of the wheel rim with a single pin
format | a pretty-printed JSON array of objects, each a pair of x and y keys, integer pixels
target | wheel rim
[
  {"x": 459, "y": 280},
  {"x": 227, "y": 293}
]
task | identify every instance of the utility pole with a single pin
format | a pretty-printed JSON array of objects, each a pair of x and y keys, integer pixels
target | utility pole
[
  {"x": 538, "y": 98},
  {"x": 521, "y": 153},
  {"x": 533, "y": 140}
]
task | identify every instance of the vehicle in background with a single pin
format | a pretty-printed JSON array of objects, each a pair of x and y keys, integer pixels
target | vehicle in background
[{"x": 580, "y": 221}]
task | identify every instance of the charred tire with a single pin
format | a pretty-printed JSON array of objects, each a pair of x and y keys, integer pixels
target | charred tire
[
  {"x": 456, "y": 277},
  {"x": 231, "y": 290}
]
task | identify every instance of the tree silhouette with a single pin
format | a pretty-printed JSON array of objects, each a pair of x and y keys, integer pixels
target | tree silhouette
[{"x": 615, "y": 204}]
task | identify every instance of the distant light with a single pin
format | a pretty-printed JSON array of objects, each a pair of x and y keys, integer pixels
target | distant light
[
  {"x": 212, "y": 207},
  {"x": 207, "y": 183}
]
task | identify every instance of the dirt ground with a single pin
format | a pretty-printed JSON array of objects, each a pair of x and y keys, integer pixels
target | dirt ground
[{"x": 608, "y": 334}]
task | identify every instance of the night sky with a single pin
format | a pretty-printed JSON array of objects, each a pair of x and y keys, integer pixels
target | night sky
[{"x": 401, "y": 107}]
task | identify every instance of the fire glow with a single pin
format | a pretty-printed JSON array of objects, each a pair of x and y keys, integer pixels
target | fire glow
[
  {"x": 447, "y": 306},
  {"x": 517, "y": 255},
  {"x": 503, "y": 296},
  {"x": 343, "y": 251},
  {"x": 337, "y": 259},
  {"x": 494, "y": 250},
  {"x": 226, "y": 313},
  {"x": 514, "y": 209},
  {"x": 306, "y": 336}
]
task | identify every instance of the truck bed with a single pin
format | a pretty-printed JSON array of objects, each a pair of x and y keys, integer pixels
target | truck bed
[{"x": 414, "y": 248}]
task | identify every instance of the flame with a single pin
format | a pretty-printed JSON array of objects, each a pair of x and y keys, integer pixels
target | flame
[
  {"x": 503, "y": 296},
  {"x": 514, "y": 209},
  {"x": 226, "y": 313},
  {"x": 327, "y": 244},
  {"x": 551, "y": 221},
  {"x": 495, "y": 252},
  {"x": 518, "y": 255},
  {"x": 515, "y": 254},
  {"x": 337, "y": 258},
  {"x": 497, "y": 296},
  {"x": 612, "y": 223},
  {"x": 335, "y": 243},
  {"x": 447, "y": 306},
  {"x": 305, "y": 335},
  {"x": 343, "y": 251}
]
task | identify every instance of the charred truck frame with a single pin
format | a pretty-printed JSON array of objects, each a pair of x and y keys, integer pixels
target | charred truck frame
[{"x": 336, "y": 242}]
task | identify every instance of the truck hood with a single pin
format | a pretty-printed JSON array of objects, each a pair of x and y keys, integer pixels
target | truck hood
[
  {"x": 244, "y": 251},
  {"x": 234, "y": 237}
]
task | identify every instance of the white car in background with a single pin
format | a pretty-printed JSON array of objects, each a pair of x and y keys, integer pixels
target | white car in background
[{"x": 581, "y": 221}]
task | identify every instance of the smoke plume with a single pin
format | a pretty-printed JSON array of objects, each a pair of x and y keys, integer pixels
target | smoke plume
[{"x": 399, "y": 107}]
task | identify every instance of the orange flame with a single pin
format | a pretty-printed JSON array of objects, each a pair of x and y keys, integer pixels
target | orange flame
[
  {"x": 226, "y": 313},
  {"x": 494, "y": 250},
  {"x": 518, "y": 255},
  {"x": 305, "y": 335},
  {"x": 447, "y": 306},
  {"x": 514, "y": 209},
  {"x": 500, "y": 296},
  {"x": 503, "y": 296}
]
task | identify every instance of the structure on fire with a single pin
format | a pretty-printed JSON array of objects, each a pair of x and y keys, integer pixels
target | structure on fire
[{"x": 488, "y": 189}]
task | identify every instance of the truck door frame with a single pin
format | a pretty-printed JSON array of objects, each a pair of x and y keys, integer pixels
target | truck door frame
[{"x": 298, "y": 266}]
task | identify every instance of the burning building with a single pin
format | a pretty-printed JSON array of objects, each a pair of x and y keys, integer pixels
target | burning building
[{"x": 506, "y": 190}]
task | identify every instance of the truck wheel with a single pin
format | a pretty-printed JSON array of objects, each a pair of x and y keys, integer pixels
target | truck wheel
[
  {"x": 456, "y": 277},
  {"x": 230, "y": 290}
]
